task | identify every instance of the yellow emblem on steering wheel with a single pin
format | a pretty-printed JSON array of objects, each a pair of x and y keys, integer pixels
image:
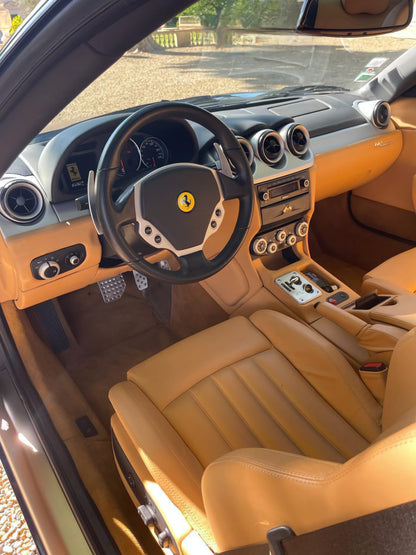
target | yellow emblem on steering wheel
[{"x": 186, "y": 201}]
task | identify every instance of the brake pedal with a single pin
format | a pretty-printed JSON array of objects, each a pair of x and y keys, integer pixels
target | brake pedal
[
  {"x": 112, "y": 289},
  {"x": 141, "y": 280}
]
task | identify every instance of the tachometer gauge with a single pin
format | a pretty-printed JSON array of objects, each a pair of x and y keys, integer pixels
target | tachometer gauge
[
  {"x": 154, "y": 152},
  {"x": 130, "y": 159}
]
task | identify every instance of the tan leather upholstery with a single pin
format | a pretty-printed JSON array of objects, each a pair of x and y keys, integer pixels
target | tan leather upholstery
[
  {"x": 396, "y": 276},
  {"x": 271, "y": 384}
]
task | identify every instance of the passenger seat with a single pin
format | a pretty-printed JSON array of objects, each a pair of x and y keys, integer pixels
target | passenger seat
[{"x": 396, "y": 276}]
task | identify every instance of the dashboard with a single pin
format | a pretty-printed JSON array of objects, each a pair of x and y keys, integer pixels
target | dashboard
[{"x": 299, "y": 150}]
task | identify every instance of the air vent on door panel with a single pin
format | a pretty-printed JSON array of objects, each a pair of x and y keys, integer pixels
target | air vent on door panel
[
  {"x": 247, "y": 148},
  {"x": 381, "y": 114},
  {"x": 297, "y": 139},
  {"x": 21, "y": 201},
  {"x": 269, "y": 146}
]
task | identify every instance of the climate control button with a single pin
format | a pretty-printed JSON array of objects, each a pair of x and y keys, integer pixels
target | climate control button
[
  {"x": 291, "y": 240},
  {"x": 280, "y": 235},
  {"x": 272, "y": 247},
  {"x": 259, "y": 246},
  {"x": 301, "y": 229}
]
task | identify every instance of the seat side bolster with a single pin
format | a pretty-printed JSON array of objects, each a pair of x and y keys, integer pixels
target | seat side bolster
[
  {"x": 159, "y": 446},
  {"x": 382, "y": 286},
  {"x": 400, "y": 393},
  {"x": 324, "y": 367},
  {"x": 271, "y": 488},
  {"x": 397, "y": 275}
]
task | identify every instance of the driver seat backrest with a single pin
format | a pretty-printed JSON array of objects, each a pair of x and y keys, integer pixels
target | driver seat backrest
[{"x": 267, "y": 383}]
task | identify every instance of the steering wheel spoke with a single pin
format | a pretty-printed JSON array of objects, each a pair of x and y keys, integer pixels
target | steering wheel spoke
[
  {"x": 123, "y": 210},
  {"x": 230, "y": 187}
]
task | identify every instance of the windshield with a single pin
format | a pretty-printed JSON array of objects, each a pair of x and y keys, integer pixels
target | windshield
[{"x": 222, "y": 52}]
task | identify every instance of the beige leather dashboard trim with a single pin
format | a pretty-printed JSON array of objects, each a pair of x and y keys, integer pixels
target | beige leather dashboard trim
[
  {"x": 394, "y": 187},
  {"x": 355, "y": 165},
  {"x": 19, "y": 250}
]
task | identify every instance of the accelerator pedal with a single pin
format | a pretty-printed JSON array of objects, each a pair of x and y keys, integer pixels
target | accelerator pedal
[{"x": 112, "y": 289}]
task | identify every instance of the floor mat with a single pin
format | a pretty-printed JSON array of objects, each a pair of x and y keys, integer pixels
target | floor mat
[{"x": 108, "y": 340}]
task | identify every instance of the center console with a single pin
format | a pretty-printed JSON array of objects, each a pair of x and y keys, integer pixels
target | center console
[{"x": 284, "y": 203}]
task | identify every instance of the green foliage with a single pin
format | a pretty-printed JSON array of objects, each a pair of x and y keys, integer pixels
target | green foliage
[
  {"x": 16, "y": 21},
  {"x": 246, "y": 13},
  {"x": 209, "y": 11}
]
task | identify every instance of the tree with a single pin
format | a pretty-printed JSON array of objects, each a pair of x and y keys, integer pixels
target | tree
[{"x": 209, "y": 11}]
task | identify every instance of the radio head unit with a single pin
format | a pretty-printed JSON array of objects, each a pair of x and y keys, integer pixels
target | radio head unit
[{"x": 284, "y": 198}]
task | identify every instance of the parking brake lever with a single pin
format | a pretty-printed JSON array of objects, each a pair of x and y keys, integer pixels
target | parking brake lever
[{"x": 372, "y": 337}]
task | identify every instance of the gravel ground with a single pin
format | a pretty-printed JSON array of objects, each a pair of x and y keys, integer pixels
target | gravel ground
[
  {"x": 15, "y": 537},
  {"x": 139, "y": 78}
]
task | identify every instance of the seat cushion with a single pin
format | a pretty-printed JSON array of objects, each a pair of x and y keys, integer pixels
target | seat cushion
[
  {"x": 396, "y": 276},
  {"x": 268, "y": 381}
]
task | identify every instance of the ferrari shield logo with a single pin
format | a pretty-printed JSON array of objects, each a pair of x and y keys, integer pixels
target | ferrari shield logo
[{"x": 186, "y": 202}]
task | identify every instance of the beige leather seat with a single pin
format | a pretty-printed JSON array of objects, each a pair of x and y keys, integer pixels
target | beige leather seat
[
  {"x": 396, "y": 276},
  {"x": 260, "y": 422}
]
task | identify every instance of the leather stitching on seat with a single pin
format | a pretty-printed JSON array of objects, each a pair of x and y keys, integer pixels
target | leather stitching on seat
[
  {"x": 299, "y": 410},
  {"x": 272, "y": 471},
  {"x": 316, "y": 425},
  {"x": 260, "y": 406},
  {"x": 210, "y": 418}
]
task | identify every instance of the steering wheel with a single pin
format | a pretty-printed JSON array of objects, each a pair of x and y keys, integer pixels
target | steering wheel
[{"x": 175, "y": 207}]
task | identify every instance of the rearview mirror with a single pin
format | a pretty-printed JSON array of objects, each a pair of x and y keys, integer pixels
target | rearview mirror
[{"x": 354, "y": 17}]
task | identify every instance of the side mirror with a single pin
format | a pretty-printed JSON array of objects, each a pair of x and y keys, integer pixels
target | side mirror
[{"x": 354, "y": 17}]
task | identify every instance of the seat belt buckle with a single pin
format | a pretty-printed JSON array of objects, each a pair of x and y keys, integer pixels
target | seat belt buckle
[
  {"x": 373, "y": 367},
  {"x": 275, "y": 537}
]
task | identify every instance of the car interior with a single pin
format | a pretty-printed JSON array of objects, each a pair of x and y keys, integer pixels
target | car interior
[{"x": 216, "y": 307}]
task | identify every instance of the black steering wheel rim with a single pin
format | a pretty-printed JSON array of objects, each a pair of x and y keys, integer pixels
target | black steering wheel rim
[{"x": 193, "y": 266}]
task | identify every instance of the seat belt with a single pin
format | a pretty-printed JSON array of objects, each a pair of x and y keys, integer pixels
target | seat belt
[{"x": 385, "y": 532}]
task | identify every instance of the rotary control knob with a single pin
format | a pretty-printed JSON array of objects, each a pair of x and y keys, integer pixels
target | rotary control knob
[
  {"x": 280, "y": 235},
  {"x": 48, "y": 269},
  {"x": 290, "y": 240},
  {"x": 264, "y": 195},
  {"x": 272, "y": 247},
  {"x": 74, "y": 260},
  {"x": 259, "y": 246},
  {"x": 301, "y": 229}
]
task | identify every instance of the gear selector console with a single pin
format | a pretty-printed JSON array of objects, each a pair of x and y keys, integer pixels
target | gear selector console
[{"x": 300, "y": 288}]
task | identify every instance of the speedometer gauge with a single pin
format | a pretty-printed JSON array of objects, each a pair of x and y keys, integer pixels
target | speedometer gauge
[
  {"x": 154, "y": 152},
  {"x": 130, "y": 159}
]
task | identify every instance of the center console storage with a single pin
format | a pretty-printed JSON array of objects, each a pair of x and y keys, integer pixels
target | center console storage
[{"x": 397, "y": 310}]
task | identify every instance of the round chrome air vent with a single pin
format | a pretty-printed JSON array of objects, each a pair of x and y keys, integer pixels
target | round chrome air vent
[
  {"x": 297, "y": 139},
  {"x": 247, "y": 148},
  {"x": 269, "y": 146},
  {"x": 21, "y": 201},
  {"x": 381, "y": 114}
]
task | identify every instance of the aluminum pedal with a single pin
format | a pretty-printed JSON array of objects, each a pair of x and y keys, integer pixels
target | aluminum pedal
[
  {"x": 112, "y": 289},
  {"x": 141, "y": 280}
]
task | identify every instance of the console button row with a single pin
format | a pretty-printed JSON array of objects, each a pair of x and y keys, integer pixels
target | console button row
[{"x": 272, "y": 241}]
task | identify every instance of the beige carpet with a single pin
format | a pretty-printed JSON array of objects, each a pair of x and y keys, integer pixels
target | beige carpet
[{"x": 108, "y": 339}]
